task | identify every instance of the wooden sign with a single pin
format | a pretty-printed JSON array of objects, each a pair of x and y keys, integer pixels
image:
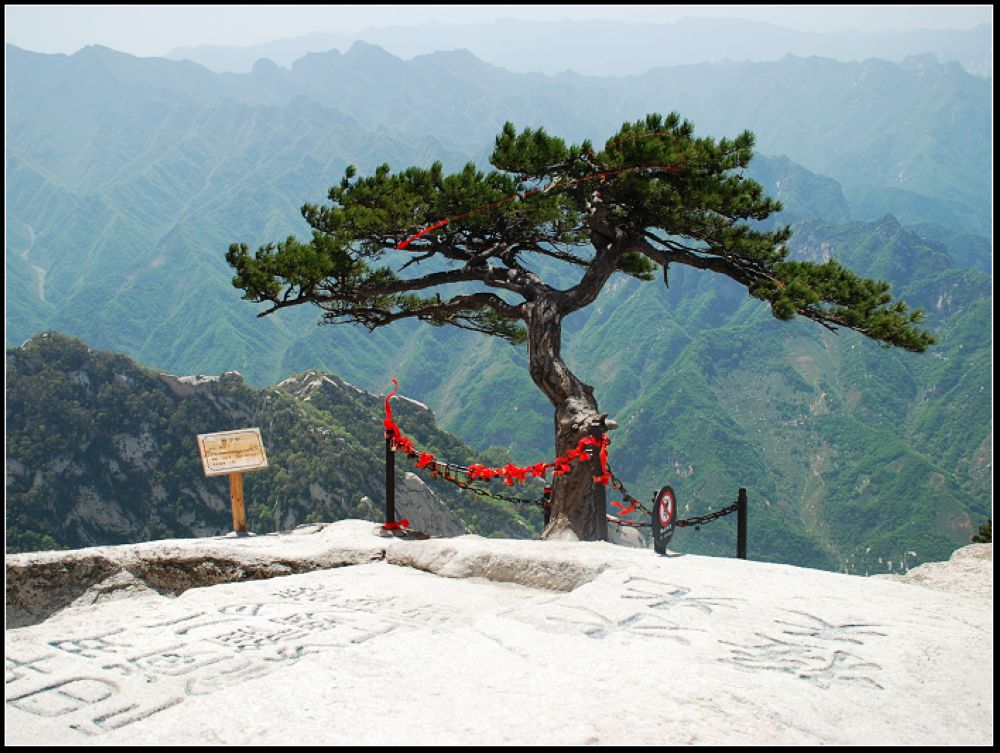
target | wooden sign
[{"x": 230, "y": 453}]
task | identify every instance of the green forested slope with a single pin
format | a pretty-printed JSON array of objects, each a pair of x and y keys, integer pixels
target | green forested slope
[{"x": 101, "y": 450}]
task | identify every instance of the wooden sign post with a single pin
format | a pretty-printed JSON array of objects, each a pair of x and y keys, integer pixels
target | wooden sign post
[
  {"x": 236, "y": 498},
  {"x": 231, "y": 453}
]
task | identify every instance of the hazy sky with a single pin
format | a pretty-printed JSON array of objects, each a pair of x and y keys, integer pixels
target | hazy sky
[{"x": 152, "y": 30}]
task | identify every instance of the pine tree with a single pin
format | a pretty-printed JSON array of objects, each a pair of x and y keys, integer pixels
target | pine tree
[
  {"x": 985, "y": 535},
  {"x": 654, "y": 196}
]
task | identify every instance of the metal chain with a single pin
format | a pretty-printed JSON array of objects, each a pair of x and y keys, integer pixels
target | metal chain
[
  {"x": 616, "y": 484},
  {"x": 702, "y": 519},
  {"x": 629, "y": 523},
  {"x": 619, "y": 486},
  {"x": 697, "y": 522},
  {"x": 445, "y": 476},
  {"x": 493, "y": 495}
]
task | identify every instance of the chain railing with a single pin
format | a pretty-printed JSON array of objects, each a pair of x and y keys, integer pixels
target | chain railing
[
  {"x": 661, "y": 517},
  {"x": 451, "y": 475},
  {"x": 699, "y": 521}
]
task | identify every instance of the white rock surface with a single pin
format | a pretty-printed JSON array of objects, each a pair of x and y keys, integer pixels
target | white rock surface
[
  {"x": 478, "y": 641},
  {"x": 968, "y": 570}
]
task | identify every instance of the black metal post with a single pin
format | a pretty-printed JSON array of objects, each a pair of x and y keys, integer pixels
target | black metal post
[
  {"x": 600, "y": 498},
  {"x": 741, "y": 525},
  {"x": 390, "y": 480}
]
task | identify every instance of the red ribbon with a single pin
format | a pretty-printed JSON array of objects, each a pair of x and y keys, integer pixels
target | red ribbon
[
  {"x": 538, "y": 469},
  {"x": 388, "y": 423},
  {"x": 512, "y": 473},
  {"x": 426, "y": 230},
  {"x": 580, "y": 454},
  {"x": 481, "y": 471},
  {"x": 625, "y": 510},
  {"x": 561, "y": 467},
  {"x": 404, "y": 523},
  {"x": 399, "y": 442},
  {"x": 605, "y": 478}
]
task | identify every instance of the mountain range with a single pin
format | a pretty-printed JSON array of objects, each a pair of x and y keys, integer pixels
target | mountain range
[
  {"x": 127, "y": 178},
  {"x": 615, "y": 48}
]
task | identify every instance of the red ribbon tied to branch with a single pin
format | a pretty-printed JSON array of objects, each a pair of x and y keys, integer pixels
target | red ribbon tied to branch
[
  {"x": 408, "y": 241},
  {"x": 561, "y": 466}
]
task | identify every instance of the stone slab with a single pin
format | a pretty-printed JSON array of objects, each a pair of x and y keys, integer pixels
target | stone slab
[{"x": 471, "y": 641}]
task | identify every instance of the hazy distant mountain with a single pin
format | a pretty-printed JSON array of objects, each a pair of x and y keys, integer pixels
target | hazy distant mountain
[
  {"x": 240, "y": 59},
  {"x": 615, "y": 48}
]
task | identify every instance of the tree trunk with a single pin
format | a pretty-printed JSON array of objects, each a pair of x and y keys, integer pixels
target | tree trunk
[{"x": 578, "y": 504}]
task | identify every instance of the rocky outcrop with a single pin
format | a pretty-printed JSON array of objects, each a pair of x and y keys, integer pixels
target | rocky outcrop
[
  {"x": 416, "y": 502},
  {"x": 969, "y": 570},
  {"x": 628, "y": 536},
  {"x": 41, "y": 584}
]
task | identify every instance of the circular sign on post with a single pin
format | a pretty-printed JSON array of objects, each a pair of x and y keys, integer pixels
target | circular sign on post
[{"x": 664, "y": 513}]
